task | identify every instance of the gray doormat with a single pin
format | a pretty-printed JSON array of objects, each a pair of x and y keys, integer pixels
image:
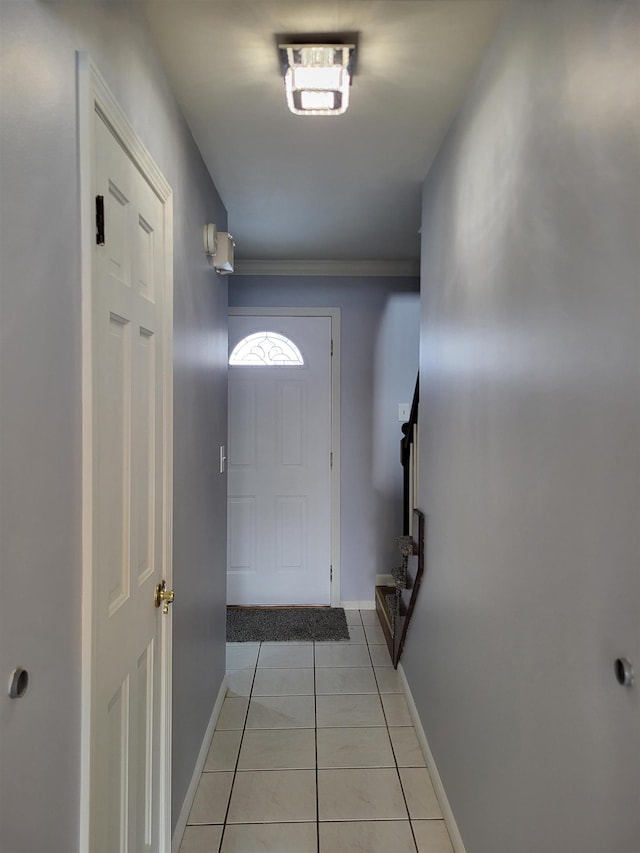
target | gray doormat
[{"x": 273, "y": 624}]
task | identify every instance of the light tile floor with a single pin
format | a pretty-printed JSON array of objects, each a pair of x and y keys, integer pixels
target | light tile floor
[{"x": 315, "y": 752}]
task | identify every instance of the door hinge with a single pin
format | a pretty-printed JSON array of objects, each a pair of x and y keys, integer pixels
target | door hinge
[
  {"x": 100, "y": 220},
  {"x": 331, "y": 573},
  {"x": 331, "y": 346},
  {"x": 331, "y": 460}
]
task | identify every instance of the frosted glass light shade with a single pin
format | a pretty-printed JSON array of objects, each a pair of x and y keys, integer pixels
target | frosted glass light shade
[
  {"x": 317, "y": 100},
  {"x": 317, "y": 77}
]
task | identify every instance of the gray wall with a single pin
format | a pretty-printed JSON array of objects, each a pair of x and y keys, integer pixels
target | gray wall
[
  {"x": 379, "y": 365},
  {"x": 529, "y": 431},
  {"x": 40, "y": 415}
]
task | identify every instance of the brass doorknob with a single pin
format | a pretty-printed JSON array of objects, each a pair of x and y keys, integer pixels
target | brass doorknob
[{"x": 163, "y": 596}]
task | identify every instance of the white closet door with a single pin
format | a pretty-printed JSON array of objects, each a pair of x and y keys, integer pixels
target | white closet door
[{"x": 130, "y": 462}]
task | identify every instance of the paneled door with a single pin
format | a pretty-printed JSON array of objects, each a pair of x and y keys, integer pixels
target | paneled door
[
  {"x": 279, "y": 465},
  {"x": 127, "y": 495}
]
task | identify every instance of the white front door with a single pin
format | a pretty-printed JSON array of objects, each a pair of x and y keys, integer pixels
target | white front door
[
  {"x": 279, "y": 474},
  {"x": 129, "y": 522}
]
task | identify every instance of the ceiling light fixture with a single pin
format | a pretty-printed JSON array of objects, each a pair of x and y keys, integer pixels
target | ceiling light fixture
[{"x": 317, "y": 77}]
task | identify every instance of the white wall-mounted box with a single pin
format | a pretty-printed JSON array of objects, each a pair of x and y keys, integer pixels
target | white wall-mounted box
[{"x": 224, "y": 257}]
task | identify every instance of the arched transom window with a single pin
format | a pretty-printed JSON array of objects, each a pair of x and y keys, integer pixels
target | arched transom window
[{"x": 266, "y": 349}]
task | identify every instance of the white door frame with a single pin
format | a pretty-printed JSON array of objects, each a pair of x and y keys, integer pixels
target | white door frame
[
  {"x": 334, "y": 315},
  {"x": 94, "y": 95}
]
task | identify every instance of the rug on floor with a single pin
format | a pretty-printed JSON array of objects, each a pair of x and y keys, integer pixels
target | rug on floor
[{"x": 281, "y": 624}]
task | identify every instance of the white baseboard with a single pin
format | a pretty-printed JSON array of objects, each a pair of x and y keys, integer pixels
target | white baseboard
[
  {"x": 447, "y": 813},
  {"x": 358, "y": 605},
  {"x": 181, "y": 825}
]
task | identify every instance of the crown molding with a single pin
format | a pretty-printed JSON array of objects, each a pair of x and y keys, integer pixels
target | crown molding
[{"x": 328, "y": 268}]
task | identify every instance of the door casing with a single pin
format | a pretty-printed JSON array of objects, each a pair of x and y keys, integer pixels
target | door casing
[{"x": 334, "y": 314}]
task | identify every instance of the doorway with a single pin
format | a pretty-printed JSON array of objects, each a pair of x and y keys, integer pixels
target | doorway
[{"x": 283, "y": 457}]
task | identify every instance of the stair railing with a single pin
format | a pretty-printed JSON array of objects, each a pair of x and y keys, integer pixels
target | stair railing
[
  {"x": 395, "y": 603},
  {"x": 409, "y": 460}
]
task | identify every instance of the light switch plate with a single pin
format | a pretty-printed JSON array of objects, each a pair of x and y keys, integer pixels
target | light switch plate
[{"x": 404, "y": 410}]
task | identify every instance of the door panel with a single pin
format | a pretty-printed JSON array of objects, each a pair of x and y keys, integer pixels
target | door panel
[
  {"x": 291, "y": 424},
  {"x": 292, "y": 534},
  {"x": 112, "y": 492},
  {"x": 243, "y": 424},
  {"x": 242, "y": 534},
  {"x": 144, "y": 451},
  {"x": 279, "y": 469}
]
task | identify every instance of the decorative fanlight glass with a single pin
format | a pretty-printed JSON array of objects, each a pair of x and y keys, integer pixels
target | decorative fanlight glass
[
  {"x": 266, "y": 349},
  {"x": 317, "y": 77}
]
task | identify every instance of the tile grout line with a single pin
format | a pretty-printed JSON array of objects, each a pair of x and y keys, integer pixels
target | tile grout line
[
  {"x": 315, "y": 739},
  {"x": 235, "y": 770},
  {"x": 393, "y": 752},
  {"x": 395, "y": 758}
]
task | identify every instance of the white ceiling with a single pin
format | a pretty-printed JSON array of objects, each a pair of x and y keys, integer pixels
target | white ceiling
[{"x": 337, "y": 188}]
